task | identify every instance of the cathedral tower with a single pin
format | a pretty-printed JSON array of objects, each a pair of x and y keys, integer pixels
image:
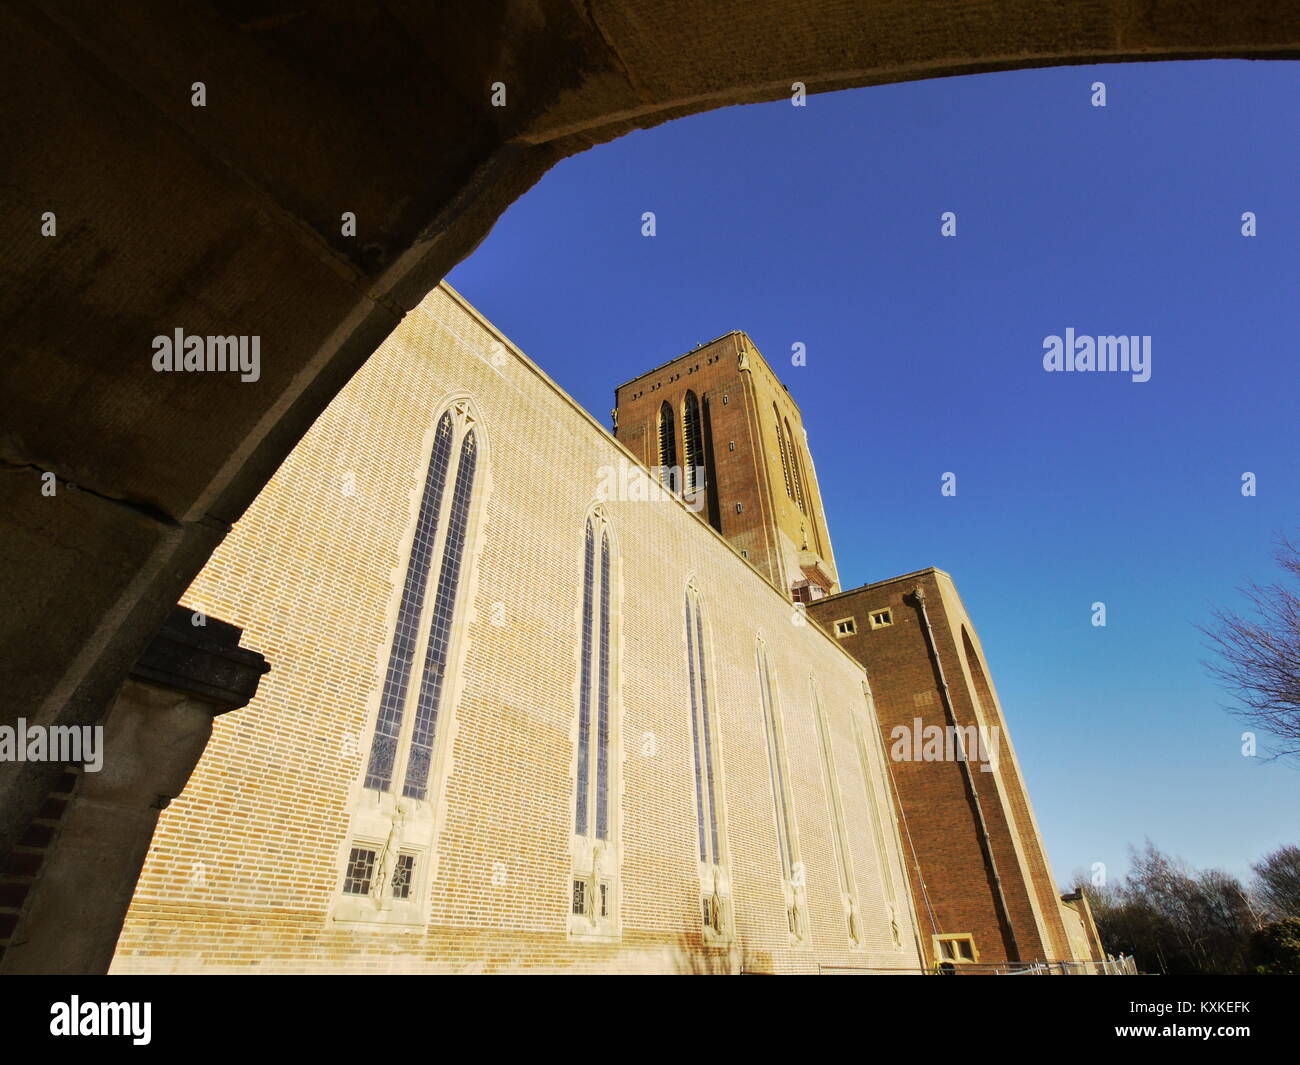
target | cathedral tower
[{"x": 718, "y": 427}]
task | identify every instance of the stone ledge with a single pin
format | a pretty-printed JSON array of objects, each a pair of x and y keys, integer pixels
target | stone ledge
[{"x": 204, "y": 661}]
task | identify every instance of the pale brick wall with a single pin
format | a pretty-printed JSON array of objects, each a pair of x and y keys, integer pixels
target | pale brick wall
[{"x": 246, "y": 863}]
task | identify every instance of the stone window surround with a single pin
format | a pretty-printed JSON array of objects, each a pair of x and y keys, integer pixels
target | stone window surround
[{"x": 388, "y": 822}]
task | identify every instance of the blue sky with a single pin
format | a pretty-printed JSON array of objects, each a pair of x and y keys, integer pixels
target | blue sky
[{"x": 821, "y": 225}]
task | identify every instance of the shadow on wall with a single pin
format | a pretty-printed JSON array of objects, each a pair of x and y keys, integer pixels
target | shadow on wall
[{"x": 692, "y": 957}]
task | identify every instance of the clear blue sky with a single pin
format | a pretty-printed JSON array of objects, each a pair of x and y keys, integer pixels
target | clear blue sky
[{"x": 821, "y": 225}]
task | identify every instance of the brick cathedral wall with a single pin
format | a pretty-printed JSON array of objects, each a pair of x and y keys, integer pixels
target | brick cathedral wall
[
  {"x": 247, "y": 862},
  {"x": 934, "y": 794}
]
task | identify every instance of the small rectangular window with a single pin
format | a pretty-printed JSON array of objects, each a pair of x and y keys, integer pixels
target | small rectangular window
[
  {"x": 604, "y": 900},
  {"x": 846, "y": 627},
  {"x": 956, "y": 948},
  {"x": 402, "y": 875},
  {"x": 881, "y": 618},
  {"x": 579, "y": 897},
  {"x": 360, "y": 871}
]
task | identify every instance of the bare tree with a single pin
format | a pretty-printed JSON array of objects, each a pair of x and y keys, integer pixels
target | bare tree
[
  {"x": 1172, "y": 918},
  {"x": 1278, "y": 882},
  {"x": 1258, "y": 658}
]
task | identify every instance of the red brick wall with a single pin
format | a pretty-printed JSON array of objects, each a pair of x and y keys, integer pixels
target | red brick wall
[
  {"x": 745, "y": 451},
  {"x": 935, "y": 798}
]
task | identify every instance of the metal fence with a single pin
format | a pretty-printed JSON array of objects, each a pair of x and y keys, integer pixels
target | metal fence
[{"x": 1124, "y": 965}]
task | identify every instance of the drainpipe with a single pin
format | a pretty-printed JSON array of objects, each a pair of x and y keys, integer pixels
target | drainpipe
[{"x": 919, "y": 595}]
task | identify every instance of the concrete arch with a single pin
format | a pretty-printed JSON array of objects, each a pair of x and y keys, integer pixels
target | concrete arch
[{"x": 226, "y": 220}]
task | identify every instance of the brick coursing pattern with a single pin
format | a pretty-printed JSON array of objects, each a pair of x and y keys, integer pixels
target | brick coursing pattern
[
  {"x": 742, "y": 403},
  {"x": 247, "y": 862}
]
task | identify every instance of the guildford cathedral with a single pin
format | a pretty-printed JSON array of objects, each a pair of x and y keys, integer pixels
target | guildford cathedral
[{"x": 543, "y": 699}]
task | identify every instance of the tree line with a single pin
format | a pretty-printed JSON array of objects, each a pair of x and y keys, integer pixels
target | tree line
[{"x": 1178, "y": 920}]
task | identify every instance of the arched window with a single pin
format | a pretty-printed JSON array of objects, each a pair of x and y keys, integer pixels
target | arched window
[
  {"x": 440, "y": 530},
  {"x": 401, "y": 656},
  {"x": 795, "y": 465},
  {"x": 714, "y": 879},
  {"x": 668, "y": 472},
  {"x": 595, "y": 862},
  {"x": 594, "y": 699},
  {"x": 785, "y": 454},
  {"x": 444, "y": 610},
  {"x": 390, "y": 839},
  {"x": 844, "y": 859},
  {"x": 693, "y": 472},
  {"x": 792, "y": 870},
  {"x": 865, "y": 747}
]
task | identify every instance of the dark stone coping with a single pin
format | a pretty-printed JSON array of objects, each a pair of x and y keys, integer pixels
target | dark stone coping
[{"x": 204, "y": 661}]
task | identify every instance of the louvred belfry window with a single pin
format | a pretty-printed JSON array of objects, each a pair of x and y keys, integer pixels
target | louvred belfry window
[
  {"x": 668, "y": 447},
  {"x": 692, "y": 445},
  {"x": 785, "y": 453}
]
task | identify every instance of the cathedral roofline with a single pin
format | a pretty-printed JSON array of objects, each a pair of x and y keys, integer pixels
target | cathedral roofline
[
  {"x": 584, "y": 413},
  {"x": 684, "y": 354},
  {"x": 889, "y": 580},
  {"x": 750, "y": 346}
]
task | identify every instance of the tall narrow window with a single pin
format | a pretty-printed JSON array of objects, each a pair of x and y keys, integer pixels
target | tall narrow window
[
  {"x": 393, "y": 834},
  {"x": 602, "y": 698},
  {"x": 444, "y": 611},
  {"x": 785, "y": 454},
  {"x": 794, "y": 467},
  {"x": 792, "y": 870},
  {"x": 401, "y": 656},
  {"x": 848, "y": 884},
  {"x": 584, "y": 684},
  {"x": 701, "y": 734},
  {"x": 865, "y": 747},
  {"x": 595, "y": 863},
  {"x": 714, "y": 879},
  {"x": 668, "y": 472},
  {"x": 596, "y": 658},
  {"x": 692, "y": 445}
]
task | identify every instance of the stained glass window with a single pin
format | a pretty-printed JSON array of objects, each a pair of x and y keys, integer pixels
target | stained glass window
[
  {"x": 360, "y": 870},
  {"x": 594, "y": 718},
  {"x": 402, "y": 873},
  {"x": 701, "y": 732},
  {"x": 392, "y": 700},
  {"x": 602, "y": 730},
  {"x": 444, "y": 609},
  {"x": 584, "y": 681}
]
